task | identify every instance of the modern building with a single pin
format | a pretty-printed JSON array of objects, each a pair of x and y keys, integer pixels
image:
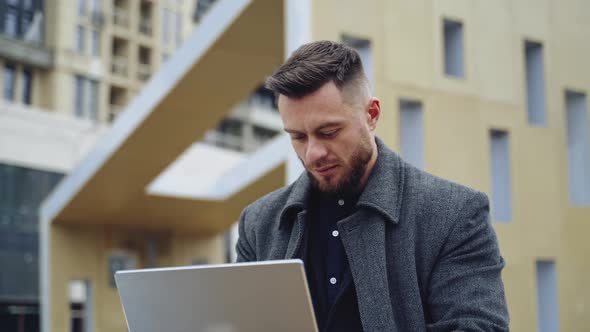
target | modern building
[
  {"x": 163, "y": 149},
  {"x": 68, "y": 68}
]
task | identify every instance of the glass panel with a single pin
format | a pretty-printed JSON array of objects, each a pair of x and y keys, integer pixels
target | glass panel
[
  {"x": 21, "y": 194},
  {"x": 9, "y": 81},
  {"x": 80, "y": 38},
  {"x": 10, "y": 22},
  {"x": 95, "y": 43},
  {"x": 93, "y": 100},
  {"x": 79, "y": 96},
  {"x": 27, "y": 86}
]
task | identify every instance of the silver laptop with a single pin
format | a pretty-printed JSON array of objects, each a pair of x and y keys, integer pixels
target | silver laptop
[{"x": 248, "y": 297}]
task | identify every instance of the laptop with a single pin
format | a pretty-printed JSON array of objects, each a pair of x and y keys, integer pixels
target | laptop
[{"x": 244, "y": 297}]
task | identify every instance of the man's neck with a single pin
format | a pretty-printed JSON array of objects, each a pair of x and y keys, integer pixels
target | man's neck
[{"x": 369, "y": 169}]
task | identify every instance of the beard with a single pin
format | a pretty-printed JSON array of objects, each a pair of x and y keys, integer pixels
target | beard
[{"x": 350, "y": 176}]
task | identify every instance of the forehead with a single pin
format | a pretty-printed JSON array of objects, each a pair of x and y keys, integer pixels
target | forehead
[{"x": 325, "y": 104}]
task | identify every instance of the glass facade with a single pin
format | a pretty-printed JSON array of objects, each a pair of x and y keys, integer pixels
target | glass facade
[
  {"x": 21, "y": 194},
  {"x": 16, "y": 16}
]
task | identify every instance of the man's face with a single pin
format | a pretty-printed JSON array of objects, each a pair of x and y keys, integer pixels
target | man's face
[{"x": 332, "y": 138}]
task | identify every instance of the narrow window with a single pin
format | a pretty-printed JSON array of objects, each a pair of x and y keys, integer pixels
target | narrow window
[
  {"x": 9, "y": 82},
  {"x": 453, "y": 44},
  {"x": 10, "y": 22},
  {"x": 81, "y": 7},
  {"x": 79, "y": 96},
  {"x": 93, "y": 99},
  {"x": 535, "y": 83},
  {"x": 547, "y": 303},
  {"x": 501, "y": 180},
  {"x": 578, "y": 148},
  {"x": 80, "y": 31},
  {"x": 412, "y": 132},
  {"x": 363, "y": 47},
  {"x": 27, "y": 85},
  {"x": 95, "y": 43}
]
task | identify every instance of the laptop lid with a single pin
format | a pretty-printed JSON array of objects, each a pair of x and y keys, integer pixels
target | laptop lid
[{"x": 249, "y": 297}]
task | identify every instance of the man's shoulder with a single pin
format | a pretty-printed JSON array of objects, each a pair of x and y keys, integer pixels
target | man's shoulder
[{"x": 437, "y": 197}]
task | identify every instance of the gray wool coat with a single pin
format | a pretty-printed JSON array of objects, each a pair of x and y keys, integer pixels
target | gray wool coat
[{"x": 421, "y": 249}]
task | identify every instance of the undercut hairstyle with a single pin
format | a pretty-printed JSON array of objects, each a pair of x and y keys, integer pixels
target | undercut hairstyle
[{"x": 315, "y": 64}]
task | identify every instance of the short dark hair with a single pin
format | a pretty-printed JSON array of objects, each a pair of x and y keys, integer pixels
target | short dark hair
[{"x": 313, "y": 65}]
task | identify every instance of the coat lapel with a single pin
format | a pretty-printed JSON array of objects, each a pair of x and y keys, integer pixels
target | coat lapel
[
  {"x": 363, "y": 236},
  {"x": 296, "y": 238}
]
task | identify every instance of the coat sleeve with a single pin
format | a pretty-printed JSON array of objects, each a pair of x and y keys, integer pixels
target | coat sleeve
[
  {"x": 466, "y": 292},
  {"x": 244, "y": 250}
]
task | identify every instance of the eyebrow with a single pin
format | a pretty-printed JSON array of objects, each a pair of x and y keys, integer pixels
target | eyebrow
[{"x": 322, "y": 126}]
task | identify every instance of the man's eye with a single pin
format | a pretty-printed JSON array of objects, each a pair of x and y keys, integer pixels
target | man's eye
[
  {"x": 297, "y": 137},
  {"x": 330, "y": 133}
]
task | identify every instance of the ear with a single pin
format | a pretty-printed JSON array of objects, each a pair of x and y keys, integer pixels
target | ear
[{"x": 373, "y": 113}]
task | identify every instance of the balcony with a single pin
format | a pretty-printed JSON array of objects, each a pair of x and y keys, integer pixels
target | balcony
[
  {"x": 145, "y": 26},
  {"x": 144, "y": 71},
  {"x": 119, "y": 65},
  {"x": 121, "y": 17},
  {"x": 25, "y": 52}
]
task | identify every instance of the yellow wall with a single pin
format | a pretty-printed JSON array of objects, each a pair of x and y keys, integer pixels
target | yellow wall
[
  {"x": 82, "y": 254},
  {"x": 406, "y": 40}
]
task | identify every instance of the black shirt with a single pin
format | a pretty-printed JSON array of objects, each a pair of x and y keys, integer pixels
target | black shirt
[{"x": 328, "y": 273}]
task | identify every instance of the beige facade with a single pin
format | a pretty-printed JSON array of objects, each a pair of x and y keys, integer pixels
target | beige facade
[
  {"x": 458, "y": 114},
  {"x": 407, "y": 52}
]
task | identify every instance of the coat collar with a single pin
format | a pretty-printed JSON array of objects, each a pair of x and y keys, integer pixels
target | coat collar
[{"x": 382, "y": 193}]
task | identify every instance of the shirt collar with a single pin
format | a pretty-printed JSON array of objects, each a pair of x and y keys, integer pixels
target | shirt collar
[{"x": 382, "y": 193}]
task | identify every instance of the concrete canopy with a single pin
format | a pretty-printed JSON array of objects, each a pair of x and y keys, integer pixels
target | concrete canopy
[{"x": 226, "y": 57}]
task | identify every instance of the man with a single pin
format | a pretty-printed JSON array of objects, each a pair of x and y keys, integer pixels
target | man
[{"x": 386, "y": 247}]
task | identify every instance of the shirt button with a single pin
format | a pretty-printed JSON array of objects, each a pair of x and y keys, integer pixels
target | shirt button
[
  {"x": 340, "y": 202},
  {"x": 335, "y": 233},
  {"x": 333, "y": 281}
]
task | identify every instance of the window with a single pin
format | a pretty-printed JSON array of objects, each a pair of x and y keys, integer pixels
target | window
[
  {"x": 85, "y": 98},
  {"x": 9, "y": 82},
  {"x": 578, "y": 148},
  {"x": 27, "y": 83},
  {"x": 96, "y": 6},
  {"x": 28, "y": 4},
  {"x": 95, "y": 43},
  {"x": 80, "y": 31},
  {"x": 92, "y": 99},
  {"x": 79, "y": 96},
  {"x": 411, "y": 132},
  {"x": 26, "y": 20},
  {"x": 501, "y": 180},
  {"x": 10, "y": 22},
  {"x": 453, "y": 48},
  {"x": 547, "y": 303},
  {"x": 16, "y": 17},
  {"x": 178, "y": 28},
  {"x": 363, "y": 47},
  {"x": 81, "y": 7},
  {"x": 535, "y": 83},
  {"x": 166, "y": 26}
]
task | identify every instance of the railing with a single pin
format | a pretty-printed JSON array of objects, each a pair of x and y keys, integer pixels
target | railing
[
  {"x": 145, "y": 26},
  {"x": 120, "y": 17},
  {"x": 119, "y": 65},
  {"x": 144, "y": 71}
]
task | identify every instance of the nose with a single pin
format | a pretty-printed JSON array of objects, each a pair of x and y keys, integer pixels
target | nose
[{"x": 316, "y": 151}]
